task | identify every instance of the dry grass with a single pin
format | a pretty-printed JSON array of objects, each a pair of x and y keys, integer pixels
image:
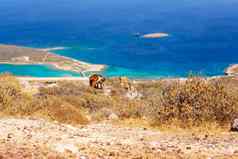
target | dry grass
[
  {"x": 13, "y": 102},
  {"x": 193, "y": 103},
  {"x": 196, "y": 102}
]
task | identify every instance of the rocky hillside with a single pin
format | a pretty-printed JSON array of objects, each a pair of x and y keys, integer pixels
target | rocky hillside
[{"x": 187, "y": 118}]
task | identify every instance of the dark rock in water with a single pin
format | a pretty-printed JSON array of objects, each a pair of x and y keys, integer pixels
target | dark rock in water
[{"x": 234, "y": 125}]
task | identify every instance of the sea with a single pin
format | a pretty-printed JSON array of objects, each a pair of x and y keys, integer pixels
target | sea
[{"x": 203, "y": 35}]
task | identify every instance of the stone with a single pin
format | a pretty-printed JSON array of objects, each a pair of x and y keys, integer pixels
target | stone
[
  {"x": 234, "y": 125},
  {"x": 63, "y": 147},
  {"x": 113, "y": 116},
  {"x": 188, "y": 147},
  {"x": 9, "y": 136}
]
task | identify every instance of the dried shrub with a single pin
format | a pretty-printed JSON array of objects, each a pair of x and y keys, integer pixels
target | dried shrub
[
  {"x": 10, "y": 91},
  {"x": 194, "y": 102},
  {"x": 14, "y": 102},
  {"x": 56, "y": 109}
]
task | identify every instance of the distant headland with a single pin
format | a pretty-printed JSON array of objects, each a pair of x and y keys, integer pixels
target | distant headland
[
  {"x": 232, "y": 70},
  {"x": 10, "y": 54},
  {"x": 16, "y": 55}
]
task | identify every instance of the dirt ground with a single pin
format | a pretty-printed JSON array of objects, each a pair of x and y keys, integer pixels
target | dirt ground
[{"x": 34, "y": 138}]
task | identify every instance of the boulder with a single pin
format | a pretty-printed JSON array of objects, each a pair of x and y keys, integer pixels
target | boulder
[{"x": 234, "y": 125}]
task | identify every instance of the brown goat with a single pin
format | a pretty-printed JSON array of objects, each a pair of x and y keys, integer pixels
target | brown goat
[{"x": 96, "y": 81}]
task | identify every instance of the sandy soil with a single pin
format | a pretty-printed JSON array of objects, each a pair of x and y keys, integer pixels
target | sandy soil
[{"x": 105, "y": 140}]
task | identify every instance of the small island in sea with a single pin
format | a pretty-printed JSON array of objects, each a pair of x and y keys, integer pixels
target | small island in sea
[
  {"x": 16, "y": 55},
  {"x": 155, "y": 35}
]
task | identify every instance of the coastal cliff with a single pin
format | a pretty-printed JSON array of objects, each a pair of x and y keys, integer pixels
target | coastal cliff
[{"x": 232, "y": 70}]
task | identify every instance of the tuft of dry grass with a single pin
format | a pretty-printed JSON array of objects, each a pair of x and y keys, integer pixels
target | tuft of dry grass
[{"x": 56, "y": 109}]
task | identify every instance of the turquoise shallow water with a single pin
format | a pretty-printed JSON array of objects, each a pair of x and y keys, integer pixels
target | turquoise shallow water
[
  {"x": 35, "y": 70},
  {"x": 203, "y": 34}
]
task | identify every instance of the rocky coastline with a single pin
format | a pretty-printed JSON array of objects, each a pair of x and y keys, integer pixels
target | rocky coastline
[{"x": 232, "y": 70}]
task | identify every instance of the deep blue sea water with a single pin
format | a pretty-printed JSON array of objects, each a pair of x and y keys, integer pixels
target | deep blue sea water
[{"x": 203, "y": 34}]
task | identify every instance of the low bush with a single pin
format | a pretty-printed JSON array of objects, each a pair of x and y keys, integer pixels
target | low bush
[{"x": 193, "y": 103}]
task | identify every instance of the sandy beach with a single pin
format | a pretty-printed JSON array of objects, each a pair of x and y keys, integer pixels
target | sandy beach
[{"x": 52, "y": 78}]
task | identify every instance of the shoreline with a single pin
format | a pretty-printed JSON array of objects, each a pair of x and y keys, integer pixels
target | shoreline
[
  {"x": 180, "y": 79},
  {"x": 17, "y": 55},
  {"x": 21, "y": 78},
  {"x": 103, "y": 68}
]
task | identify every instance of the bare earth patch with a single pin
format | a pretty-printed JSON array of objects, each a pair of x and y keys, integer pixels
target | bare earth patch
[{"x": 37, "y": 138}]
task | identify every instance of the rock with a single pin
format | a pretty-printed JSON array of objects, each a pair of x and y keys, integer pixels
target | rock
[
  {"x": 111, "y": 154},
  {"x": 9, "y": 136},
  {"x": 113, "y": 117},
  {"x": 88, "y": 117},
  {"x": 133, "y": 93},
  {"x": 231, "y": 70},
  {"x": 188, "y": 147},
  {"x": 83, "y": 157},
  {"x": 61, "y": 148},
  {"x": 235, "y": 152},
  {"x": 234, "y": 125}
]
